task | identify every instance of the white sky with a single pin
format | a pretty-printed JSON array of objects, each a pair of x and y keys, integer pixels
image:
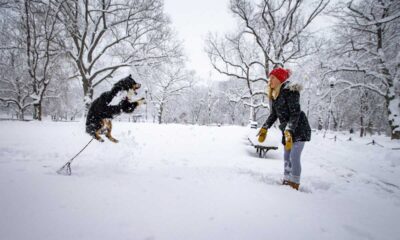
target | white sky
[{"x": 193, "y": 19}]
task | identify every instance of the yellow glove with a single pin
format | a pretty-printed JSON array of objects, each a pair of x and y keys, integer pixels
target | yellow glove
[
  {"x": 288, "y": 140},
  {"x": 262, "y": 134}
]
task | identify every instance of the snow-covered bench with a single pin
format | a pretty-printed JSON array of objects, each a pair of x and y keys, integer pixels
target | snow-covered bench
[{"x": 262, "y": 149}]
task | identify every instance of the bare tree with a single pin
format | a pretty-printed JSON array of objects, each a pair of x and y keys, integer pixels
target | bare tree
[
  {"x": 5, "y": 3},
  {"x": 170, "y": 81},
  {"x": 197, "y": 106},
  {"x": 279, "y": 27},
  {"x": 63, "y": 99},
  {"x": 272, "y": 33},
  {"x": 14, "y": 82},
  {"x": 236, "y": 57},
  {"x": 107, "y": 35},
  {"x": 15, "y": 90},
  {"x": 40, "y": 28}
]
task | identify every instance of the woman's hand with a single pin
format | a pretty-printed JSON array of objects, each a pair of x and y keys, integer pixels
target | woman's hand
[
  {"x": 288, "y": 140},
  {"x": 262, "y": 134}
]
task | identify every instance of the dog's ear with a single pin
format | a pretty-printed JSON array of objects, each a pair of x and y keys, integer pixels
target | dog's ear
[{"x": 131, "y": 80}]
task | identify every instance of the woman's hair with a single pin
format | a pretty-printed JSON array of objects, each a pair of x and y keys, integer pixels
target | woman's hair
[{"x": 269, "y": 91}]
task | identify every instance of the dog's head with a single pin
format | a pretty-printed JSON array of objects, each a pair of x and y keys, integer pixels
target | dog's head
[{"x": 127, "y": 84}]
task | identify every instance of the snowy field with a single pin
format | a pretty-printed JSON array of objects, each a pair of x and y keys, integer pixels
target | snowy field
[{"x": 191, "y": 182}]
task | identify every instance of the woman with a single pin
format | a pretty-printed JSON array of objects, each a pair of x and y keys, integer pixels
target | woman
[{"x": 285, "y": 98}]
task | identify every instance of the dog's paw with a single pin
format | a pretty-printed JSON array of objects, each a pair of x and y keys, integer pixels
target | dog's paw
[
  {"x": 113, "y": 140},
  {"x": 100, "y": 139},
  {"x": 141, "y": 101}
]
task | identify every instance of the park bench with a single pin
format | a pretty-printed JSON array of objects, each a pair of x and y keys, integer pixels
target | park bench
[{"x": 262, "y": 150}]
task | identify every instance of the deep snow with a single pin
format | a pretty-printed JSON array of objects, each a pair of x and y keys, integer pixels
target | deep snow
[{"x": 191, "y": 182}]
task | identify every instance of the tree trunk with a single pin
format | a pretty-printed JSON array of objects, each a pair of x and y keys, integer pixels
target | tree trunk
[
  {"x": 37, "y": 111},
  {"x": 361, "y": 126},
  {"x": 393, "y": 113},
  {"x": 392, "y": 104},
  {"x": 21, "y": 114},
  {"x": 320, "y": 124},
  {"x": 160, "y": 112},
  {"x": 335, "y": 123},
  {"x": 88, "y": 94},
  {"x": 253, "y": 114}
]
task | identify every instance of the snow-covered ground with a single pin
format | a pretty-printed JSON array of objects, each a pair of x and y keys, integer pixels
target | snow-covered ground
[{"x": 191, "y": 182}]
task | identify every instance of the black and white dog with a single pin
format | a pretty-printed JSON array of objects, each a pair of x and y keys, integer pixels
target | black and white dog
[{"x": 101, "y": 112}]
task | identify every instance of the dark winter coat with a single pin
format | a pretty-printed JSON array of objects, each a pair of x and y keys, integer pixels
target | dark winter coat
[{"x": 286, "y": 108}]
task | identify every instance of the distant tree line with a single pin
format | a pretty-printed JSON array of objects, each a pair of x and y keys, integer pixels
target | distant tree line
[{"x": 56, "y": 56}]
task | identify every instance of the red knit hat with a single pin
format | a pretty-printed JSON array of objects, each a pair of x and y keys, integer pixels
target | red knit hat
[{"x": 281, "y": 73}]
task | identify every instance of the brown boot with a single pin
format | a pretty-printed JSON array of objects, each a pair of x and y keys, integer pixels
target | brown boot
[{"x": 294, "y": 185}]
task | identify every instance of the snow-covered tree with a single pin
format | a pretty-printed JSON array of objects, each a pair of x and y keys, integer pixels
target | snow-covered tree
[
  {"x": 63, "y": 99},
  {"x": 236, "y": 57},
  {"x": 41, "y": 29},
  {"x": 279, "y": 27},
  {"x": 231, "y": 108},
  {"x": 196, "y": 103},
  {"x": 271, "y": 33},
  {"x": 14, "y": 84},
  {"x": 368, "y": 48},
  {"x": 107, "y": 35},
  {"x": 165, "y": 84},
  {"x": 30, "y": 30}
]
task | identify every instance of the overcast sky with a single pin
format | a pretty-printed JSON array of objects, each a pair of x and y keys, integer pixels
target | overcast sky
[{"x": 193, "y": 19}]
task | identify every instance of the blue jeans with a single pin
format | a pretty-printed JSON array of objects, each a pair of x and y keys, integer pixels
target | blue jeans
[{"x": 292, "y": 170}]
